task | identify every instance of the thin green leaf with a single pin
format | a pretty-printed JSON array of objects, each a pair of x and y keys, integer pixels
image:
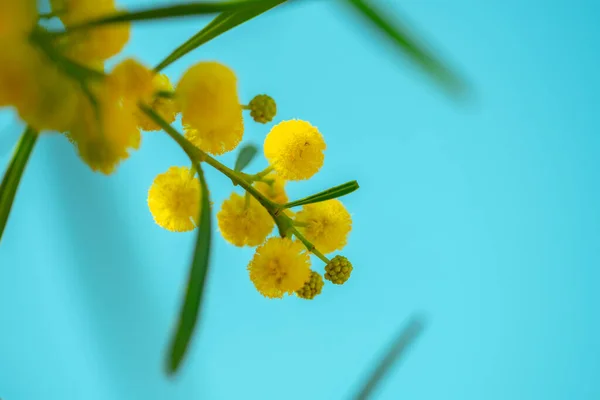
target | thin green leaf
[
  {"x": 219, "y": 25},
  {"x": 334, "y": 192},
  {"x": 164, "y": 12},
  {"x": 405, "y": 338},
  {"x": 195, "y": 41},
  {"x": 190, "y": 311},
  {"x": 12, "y": 176},
  {"x": 399, "y": 35},
  {"x": 244, "y": 157}
]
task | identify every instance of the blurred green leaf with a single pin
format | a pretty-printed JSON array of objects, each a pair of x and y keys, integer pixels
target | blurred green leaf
[
  {"x": 220, "y": 24},
  {"x": 334, "y": 192},
  {"x": 403, "y": 341},
  {"x": 77, "y": 71},
  {"x": 164, "y": 12},
  {"x": 12, "y": 176},
  {"x": 381, "y": 21},
  {"x": 188, "y": 317},
  {"x": 244, "y": 157}
]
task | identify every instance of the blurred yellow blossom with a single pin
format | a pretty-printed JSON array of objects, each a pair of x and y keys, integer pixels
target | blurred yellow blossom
[
  {"x": 210, "y": 107},
  {"x": 166, "y": 108},
  {"x": 104, "y": 134}
]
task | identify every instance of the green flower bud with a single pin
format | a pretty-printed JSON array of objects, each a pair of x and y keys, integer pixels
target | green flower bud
[
  {"x": 262, "y": 108},
  {"x": 312, "y": 287},
  {"x": 338, "y": 270}
]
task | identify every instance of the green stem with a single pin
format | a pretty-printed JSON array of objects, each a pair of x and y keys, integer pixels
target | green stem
[
  {"x": 200, "y": 156},
  {"x": 246, "y": 200},
  {"x": 257, "y": 177},
  {"x": 309, "y": 246},
  {"x": 245, "y": 107},
  {"x": 236, "y": 178},
  {"x": 263, "y": 173}
]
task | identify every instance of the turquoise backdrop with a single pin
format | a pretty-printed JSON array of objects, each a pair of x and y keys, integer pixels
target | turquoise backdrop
[{"x": 484, "y": 216}]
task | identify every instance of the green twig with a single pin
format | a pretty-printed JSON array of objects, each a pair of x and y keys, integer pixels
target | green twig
[
  {"x": 309, "y": 246},
  {"x": 200, "y": 156}
]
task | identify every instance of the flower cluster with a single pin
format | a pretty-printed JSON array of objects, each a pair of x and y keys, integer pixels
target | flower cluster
[
  {"x": 53, "y": 75},
  {"x": 57, "y": 82},
  {"x": 212, "y": 117}
]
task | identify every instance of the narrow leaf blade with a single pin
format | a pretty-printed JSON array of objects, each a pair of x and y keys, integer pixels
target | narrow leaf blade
[
  {"x": 78, "y": 71},
  {"x": 222, "y": 23},
  {"x": 403, "y": 341},
  {"x": 205, "y": 35},
  {"x": 164, "y": 12},
  {"x": 334, "y": 192},
  {"x": 189, "y": 315},
  {"x": 245, "y": 156},
  {"x": 13, "y": 174},
  {"x": 399, "y": 35}
]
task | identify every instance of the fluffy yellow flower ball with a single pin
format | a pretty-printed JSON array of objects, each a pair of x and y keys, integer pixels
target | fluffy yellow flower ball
[
  {"x": 326, "y": 224},
  {"x": 244, "y": 221},
  {"x": 273, "y": 187},
  {"x": 104, "y": 136},
  {"x": 210, "y": 107},
  {"x": 279, "y": 266},
  {"x": 167, "y": 109},
  {"x": 174, "y": 199},
  {"x": 295, "y": 149}
]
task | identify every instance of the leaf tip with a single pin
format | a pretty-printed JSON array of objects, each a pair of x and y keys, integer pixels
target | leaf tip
[{"x": 172, "y": 362}]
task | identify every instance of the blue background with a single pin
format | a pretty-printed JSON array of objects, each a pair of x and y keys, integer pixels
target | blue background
[{"x": 482, "y": 215}]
